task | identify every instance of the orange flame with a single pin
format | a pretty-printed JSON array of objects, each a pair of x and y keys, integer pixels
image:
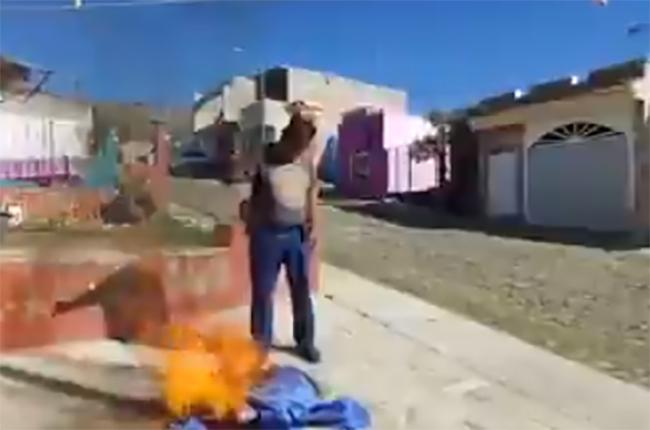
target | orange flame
[{"x": 212, "y": 373}]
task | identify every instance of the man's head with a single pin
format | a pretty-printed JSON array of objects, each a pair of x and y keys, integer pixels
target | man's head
[{"x": 296, "y": 136}]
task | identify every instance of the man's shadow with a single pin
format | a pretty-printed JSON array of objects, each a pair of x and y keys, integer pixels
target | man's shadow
[{"x": 133, "y": 303}]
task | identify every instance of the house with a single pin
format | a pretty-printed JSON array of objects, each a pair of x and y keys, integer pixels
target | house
[
  {"x": 44, "y": 138},
  {"x": 45, "y": 147},
  {"x": 334, "y": 93},
  {"x": 258, "y": 103},
  {"x": 570, "y": 152},
  {"x": 378, "y": 155}
]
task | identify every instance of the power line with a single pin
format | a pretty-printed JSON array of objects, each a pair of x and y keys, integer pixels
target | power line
[{"x": 71, "y": 6}]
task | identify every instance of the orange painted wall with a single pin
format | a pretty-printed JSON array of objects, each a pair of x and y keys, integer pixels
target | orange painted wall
[{"x": 132, "y": 300}]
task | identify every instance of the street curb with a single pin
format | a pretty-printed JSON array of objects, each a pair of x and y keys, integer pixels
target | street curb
[{"x": 146, "y": 406}]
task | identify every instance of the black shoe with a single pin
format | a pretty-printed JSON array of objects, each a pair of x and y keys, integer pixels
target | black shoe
[{"x": 309, "y": 353}]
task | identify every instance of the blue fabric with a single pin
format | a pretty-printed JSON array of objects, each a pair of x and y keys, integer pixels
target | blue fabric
[
  {"x": 289, "y": 400},
  {"x": 270, "y": 248},
  {"x": 191, "y": 423}
]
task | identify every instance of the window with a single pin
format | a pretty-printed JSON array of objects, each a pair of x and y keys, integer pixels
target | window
[
  {"x": 577, "y": 131},
  {"x": 276, "y": 83},
  {"x": 361, "y": 165}
]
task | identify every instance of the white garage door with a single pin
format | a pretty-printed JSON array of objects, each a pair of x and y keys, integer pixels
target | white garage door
[
  {"x": 577, "y": 177},
  {"x": 502, "y": 184}
]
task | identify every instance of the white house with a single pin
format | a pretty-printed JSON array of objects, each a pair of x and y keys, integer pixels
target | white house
[
  {"x": 43, "y": 136},
  {"x": 569, "y": 153}
]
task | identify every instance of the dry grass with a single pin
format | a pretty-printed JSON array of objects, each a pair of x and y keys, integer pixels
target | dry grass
[{"x": 585, "y": 303}]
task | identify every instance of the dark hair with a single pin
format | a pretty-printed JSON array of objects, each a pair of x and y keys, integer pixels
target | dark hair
[{"x": 294, "y": 140}]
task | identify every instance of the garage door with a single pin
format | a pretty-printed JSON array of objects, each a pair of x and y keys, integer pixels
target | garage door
[
  {"x": 577, "y": 177},
  {"x": 502, "y": 184}
]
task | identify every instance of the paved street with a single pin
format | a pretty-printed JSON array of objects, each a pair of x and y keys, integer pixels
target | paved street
[{"x": 588, "y": 301}]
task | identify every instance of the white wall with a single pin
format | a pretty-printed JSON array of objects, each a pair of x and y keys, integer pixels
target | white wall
[
  {"x": 267, "y": 112},
  {"x": 44, "y": 126},
  {"x": 613, "y": 108},
  {"x": 338, "y": 94},
  {"x": 641, "y": 88},
  {"x": 207, "y": 113},
  {"x": 403, "y": 130},
  {"x": 233, "y": 97},
  {"x": 239, "y": 94}
]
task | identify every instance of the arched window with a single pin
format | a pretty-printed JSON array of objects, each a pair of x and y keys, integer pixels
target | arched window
[{"x": 577, "y": 132}]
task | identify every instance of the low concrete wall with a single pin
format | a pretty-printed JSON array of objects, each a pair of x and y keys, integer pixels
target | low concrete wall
[
  {"x": 130, "y": 296},
  {"x": 117, "y": 295}
]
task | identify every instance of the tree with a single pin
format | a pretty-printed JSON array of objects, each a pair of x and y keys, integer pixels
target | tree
[{"x": 438, "y": 117}]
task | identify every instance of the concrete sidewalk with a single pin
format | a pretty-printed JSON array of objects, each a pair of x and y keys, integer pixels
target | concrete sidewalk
[
  {"x": 414, "y": 365},
  {"x": 450, "y": 372}
]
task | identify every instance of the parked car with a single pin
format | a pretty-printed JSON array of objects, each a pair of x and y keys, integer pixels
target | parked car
[{"x": 194, "y": 164}]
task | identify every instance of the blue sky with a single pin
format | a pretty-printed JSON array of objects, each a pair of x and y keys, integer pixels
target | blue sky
[{"x": 444, "y": 53}]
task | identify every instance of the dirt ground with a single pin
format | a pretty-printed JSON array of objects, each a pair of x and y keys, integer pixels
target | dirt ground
[
  {"x": 161, "y": 230},
  {"x": 588, "y": 301}
]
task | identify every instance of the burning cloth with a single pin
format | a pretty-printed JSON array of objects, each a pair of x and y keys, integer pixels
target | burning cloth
[{"x": 287, "y": 398}]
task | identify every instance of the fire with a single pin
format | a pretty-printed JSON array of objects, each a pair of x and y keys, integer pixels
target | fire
[{"x": 212, "y": 373}]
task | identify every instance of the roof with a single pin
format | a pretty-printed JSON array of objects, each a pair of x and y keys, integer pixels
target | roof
[
  {"x": 17, "y": 62},
  {"x": 602, "y": 78},
  {"x": 255, "y": 76}
]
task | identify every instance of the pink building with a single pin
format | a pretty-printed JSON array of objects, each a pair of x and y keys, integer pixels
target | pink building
[{"x": 376, "y": 154}]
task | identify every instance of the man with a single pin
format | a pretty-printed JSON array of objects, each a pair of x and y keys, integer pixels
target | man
[{"x": 280, "y": 219}]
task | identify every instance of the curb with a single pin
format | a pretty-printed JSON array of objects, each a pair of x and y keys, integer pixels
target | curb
[{"x": 149, "y": 406}]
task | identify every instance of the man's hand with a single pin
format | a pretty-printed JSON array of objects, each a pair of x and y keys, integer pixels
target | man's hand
[
  {"x": 244, "y": 208},
  {"x": 310, "y": 230}
]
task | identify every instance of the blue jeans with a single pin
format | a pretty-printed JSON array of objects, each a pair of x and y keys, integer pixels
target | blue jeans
[{"x": 270, "y": 248}]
